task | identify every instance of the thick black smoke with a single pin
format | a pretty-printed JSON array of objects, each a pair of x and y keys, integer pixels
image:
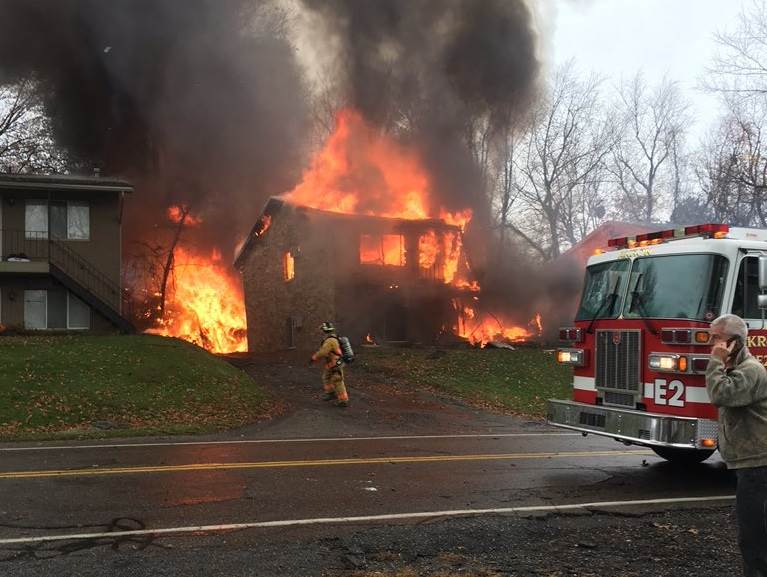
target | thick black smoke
[
  {"x": 441, "y": 64},
  {"x": 445, "y": 69},
  {"x": 198, "y": 101}
]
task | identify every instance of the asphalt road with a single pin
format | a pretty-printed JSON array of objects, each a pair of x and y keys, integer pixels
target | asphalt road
[
  {"x": 48, "y": 492},
  {"x": 132, "y": 506}
]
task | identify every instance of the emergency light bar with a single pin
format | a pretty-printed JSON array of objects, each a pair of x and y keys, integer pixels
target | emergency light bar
[{"x": 650, "y": 238}]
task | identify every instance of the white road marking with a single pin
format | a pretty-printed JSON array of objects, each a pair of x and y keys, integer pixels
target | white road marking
[
  {"x": 266, "y": 441},
  {"x": 361, "y": 519}
]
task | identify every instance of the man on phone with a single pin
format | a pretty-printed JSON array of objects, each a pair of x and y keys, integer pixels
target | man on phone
[{"x": 737, "y": 384}]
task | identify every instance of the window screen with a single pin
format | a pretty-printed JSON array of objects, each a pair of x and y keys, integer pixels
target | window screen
[
  {"x": 78, "y": 221},
  {"x": 34, "y": 310},
  {"x": 36, "y": 220}
]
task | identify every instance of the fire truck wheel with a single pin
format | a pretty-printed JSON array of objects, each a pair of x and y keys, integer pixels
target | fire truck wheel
[{"x": 683, "y": 456}]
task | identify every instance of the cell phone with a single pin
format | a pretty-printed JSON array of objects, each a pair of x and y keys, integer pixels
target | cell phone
[{"x": 737, "y": 347}]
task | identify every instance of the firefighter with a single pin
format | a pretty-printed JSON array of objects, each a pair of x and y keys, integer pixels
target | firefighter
[
  {"x": 333, "y": 372},
  {"x": 737, "y": 384}
]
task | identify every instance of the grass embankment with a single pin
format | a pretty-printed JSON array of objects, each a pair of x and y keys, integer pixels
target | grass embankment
[
  {"x": 69, "y": 386},
  {"x": 517, "y": 381}
]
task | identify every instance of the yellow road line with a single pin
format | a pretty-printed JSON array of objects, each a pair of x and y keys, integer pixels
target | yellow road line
[{"x": 315, "y": 463}]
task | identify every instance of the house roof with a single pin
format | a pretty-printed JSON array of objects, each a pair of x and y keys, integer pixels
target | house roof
[
  {"x": 275, "y": 204},
  {"x": 60, "y": 182}
]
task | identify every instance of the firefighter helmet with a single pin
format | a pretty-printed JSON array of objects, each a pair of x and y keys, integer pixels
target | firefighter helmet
[{"x": 327, "y": 327}]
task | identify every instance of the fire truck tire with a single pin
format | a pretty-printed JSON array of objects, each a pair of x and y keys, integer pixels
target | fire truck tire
[{"x": 683, "y": 456}]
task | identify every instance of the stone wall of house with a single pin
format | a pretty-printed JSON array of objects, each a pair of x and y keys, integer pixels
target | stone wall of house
[
  {"x": 392, "y": 303},
  {"x": 283, "y": 313}
]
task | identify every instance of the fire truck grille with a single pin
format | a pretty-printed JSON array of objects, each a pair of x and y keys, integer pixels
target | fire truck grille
[
  {"x": 625, "y": 399},
  {"x": 618, "y": 361}
]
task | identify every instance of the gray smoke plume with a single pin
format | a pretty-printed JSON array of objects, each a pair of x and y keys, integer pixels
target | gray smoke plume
[
  {"x": 440, "y": 64},
  {"x": 443, "y": 68},
  {"x": 199, "y": 101}
]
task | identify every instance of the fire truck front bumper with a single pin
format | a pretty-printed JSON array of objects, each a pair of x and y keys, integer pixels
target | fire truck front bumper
[{"x": 635, "y": 427}]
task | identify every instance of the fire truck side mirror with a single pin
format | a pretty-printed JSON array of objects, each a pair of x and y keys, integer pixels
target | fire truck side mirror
[{"x": 763, "y": 273}]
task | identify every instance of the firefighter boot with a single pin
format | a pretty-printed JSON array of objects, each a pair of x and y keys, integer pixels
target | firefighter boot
[{"x": 329, "y": 396}]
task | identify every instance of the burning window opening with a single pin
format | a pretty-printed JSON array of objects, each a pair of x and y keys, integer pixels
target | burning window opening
[
  {"x": 382, "y": 250},
  {"x": 289, "y": 267},
  {"x": 263, "y": 225}
]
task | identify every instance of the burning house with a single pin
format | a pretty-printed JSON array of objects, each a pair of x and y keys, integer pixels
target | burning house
[
  {"x": 362, "y": 240},
  {"x": 380, "y": 278}
]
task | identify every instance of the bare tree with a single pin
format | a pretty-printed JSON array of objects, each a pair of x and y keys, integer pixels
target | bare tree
[
  {"x": 740, "y": 64},
  {"x": 558, "y": 161},
  {"x": 26, "y": 143},
  {"x": 646, "y": 160},
  {"x": 732, "y": 166}
]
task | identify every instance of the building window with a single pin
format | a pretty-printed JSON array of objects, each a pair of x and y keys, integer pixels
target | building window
[
  {"x": 289, "y": 267},
  {"x": 35, "y": 309},
  {"x": 36, "y": 220},
  {"x": 382, "y": 249},
  {"x": 78, "y": 221},
  {"x": 55, "y": 310},
  {"x": 62, "y": 220}
]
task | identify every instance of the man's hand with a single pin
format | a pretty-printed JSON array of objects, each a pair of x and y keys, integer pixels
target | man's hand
[{"x": 722, "y": 350}]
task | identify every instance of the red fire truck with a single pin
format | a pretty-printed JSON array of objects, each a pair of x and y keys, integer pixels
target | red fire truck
[{"x": 639, "y": 345}]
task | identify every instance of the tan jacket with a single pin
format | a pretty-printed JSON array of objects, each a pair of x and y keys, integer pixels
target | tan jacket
[
  {"x": 330, "y": 351},
  {"x": 741, "y": 395}
]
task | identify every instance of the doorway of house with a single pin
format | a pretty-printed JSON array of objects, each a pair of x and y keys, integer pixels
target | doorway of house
[{"x": 395, "y": 321}]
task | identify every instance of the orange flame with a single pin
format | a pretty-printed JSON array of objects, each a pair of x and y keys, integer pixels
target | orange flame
[
  {"x": 177, "y": 212},
  {"x": 205, "y": 305},
  {"x": 362, "y": 171},
  {"x": 481, "y": 328},
  {"x": 428, "y": 249},
  {"x": 386, "y": 249},
  {"x": 265, "y": 223}
]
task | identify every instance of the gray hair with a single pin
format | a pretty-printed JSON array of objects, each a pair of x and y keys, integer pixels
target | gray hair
[{"x": 732, "y": 325}]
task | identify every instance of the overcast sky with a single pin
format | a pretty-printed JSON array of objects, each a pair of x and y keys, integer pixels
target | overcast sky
[{"x": 619, "y": 37}]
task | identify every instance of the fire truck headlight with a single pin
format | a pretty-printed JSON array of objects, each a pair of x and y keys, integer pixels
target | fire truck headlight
[
  {"x": 668, "y": 362},
  {"x": 574, "y": 357}
]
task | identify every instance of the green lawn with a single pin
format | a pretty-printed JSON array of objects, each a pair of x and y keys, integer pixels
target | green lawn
[
  {"x": 518, "y": 381},
  {"x": 139, "y": 384}
]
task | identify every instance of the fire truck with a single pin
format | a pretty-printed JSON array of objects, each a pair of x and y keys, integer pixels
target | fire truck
[{"x": 639, "y": 345}]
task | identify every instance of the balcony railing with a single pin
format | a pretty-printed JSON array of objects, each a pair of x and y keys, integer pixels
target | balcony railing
[{"x": 36, "y": 246}]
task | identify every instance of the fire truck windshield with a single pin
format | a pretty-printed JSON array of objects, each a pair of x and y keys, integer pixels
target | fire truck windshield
[
  {"x": 605, "y": 285},
  {"x": 685, "y": 286}
]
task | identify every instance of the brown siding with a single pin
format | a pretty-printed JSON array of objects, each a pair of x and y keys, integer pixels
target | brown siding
[
  {"x": 12, "y": 302},
  {"x": 103, "y": 248}
]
